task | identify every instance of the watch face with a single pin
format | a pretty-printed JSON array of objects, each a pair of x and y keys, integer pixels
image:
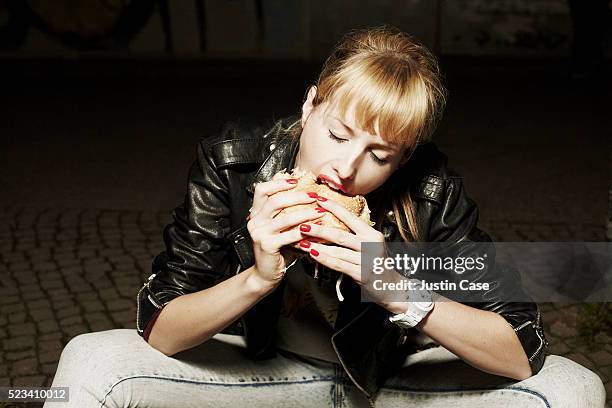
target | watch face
[{"x": 419, "y": 296}]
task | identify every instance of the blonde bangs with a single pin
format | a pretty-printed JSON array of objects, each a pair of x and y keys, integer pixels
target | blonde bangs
[{"x": 385, "y": 94}]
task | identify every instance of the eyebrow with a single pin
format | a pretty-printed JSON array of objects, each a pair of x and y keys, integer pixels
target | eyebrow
[{"x": 350, "y": 130}]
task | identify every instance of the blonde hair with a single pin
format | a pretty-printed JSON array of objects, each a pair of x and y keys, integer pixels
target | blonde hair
[{"x": 395, "y": 82}]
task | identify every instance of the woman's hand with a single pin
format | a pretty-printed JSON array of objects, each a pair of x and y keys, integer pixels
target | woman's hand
[
  {"x": 346, "y": 256},
  {"x": 265, "y": 226}
]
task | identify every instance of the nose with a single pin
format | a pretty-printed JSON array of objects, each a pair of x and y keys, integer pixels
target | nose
[{"x": 346, "y": 167}]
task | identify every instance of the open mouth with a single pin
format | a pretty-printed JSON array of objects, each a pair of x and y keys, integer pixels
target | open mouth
[{"x": 331, "y": 185}]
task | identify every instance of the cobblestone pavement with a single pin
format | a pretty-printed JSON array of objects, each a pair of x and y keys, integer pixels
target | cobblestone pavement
[{"x": 67, "y": 272}]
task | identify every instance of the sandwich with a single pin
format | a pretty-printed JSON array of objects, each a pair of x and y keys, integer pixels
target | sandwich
[{"x": 308, "y": 182}]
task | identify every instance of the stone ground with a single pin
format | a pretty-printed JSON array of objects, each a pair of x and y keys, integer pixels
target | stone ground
[
  {"x": 76, "y": 271},
  {"x": 95, "y": 171}
]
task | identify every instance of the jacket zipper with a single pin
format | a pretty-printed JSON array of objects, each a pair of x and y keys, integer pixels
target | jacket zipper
[
  {"x": 370, "y": 400},
  {"x": 146, "y": 285},
  {"x": 339, "y": 388},
  {"x": 138, "y": 310},
  {"x": 536, "y": 326},
  {"x": 523, "y": 325}
]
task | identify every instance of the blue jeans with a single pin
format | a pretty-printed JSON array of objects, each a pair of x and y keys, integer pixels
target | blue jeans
[{"x": 117, "y": 368}]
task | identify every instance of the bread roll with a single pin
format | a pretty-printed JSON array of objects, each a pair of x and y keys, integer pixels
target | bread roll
[{"x": 308, "y": 182}]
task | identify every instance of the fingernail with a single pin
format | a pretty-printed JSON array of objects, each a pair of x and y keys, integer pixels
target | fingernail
[
  {"x": 304, "y": 227},
  {"x": 304, "y": 244},
  {"x": 314, "y": 252},
  {"x": 292, "y": 181},
  {"x": 319, "y": 222},
  {"x": 312, "y": 195},
  {"x": 321, "y": 198},
  {"x": 321, "y": 209}
]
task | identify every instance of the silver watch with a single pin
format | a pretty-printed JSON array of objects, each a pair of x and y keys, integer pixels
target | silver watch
[{"x": 419, "y": 305}]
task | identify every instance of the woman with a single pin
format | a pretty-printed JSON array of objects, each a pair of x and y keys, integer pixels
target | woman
[{"x": 365, "y": 128}]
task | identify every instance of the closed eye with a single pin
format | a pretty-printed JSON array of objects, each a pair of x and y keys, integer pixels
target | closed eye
[
  {"x": 336, "y": 138},
  {"x": 376, "y": 159}
]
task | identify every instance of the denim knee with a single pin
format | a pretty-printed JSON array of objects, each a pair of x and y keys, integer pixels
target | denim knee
[
  {"x": 97, "y": 355},
  {"x": 565, "y": 383}
]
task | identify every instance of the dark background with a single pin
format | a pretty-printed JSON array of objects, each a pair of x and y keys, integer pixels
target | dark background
[
  {"x": 531, "y": 143},
  {"x": 102, "y": 108}
]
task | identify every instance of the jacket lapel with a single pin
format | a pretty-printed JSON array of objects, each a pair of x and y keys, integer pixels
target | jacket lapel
[{"x": 282, "y": 157}]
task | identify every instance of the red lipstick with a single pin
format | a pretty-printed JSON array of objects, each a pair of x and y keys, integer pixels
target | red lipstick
[{"x": 323, "y": 177}]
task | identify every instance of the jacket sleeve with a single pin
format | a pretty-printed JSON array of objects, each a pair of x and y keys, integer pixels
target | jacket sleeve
[
  {"x": 196, "y": 251},
  {"x": 455, "y": 220}
]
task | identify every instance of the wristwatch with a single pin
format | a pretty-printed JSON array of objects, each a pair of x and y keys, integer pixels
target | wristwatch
[{"x": 419, "y": 305}]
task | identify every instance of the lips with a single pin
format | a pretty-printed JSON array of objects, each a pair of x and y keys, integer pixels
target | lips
[{"x": 331, "y": 183}]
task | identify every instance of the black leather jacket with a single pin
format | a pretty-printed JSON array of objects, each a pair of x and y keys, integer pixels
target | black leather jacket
[{"x": 209, "y": 242}]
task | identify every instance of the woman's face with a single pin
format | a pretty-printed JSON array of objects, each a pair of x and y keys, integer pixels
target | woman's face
[{"x": 336, "y": 151}]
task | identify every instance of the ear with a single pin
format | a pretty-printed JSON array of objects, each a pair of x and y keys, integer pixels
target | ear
[{"x": 307, "y": 107}]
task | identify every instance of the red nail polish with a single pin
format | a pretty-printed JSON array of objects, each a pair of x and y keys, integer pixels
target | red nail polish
[
  {"x": 319, "y": 222},
  {"x": 321, "y": 198},
  {"x": 321, "y": 209},
  {"x": 304, "y": 227},
  {"x": 304, "y": 244},
  {"x": 314, "y": 252},
  {"x": 312, "y": 195},
  {"x": 292, "y": 181}
]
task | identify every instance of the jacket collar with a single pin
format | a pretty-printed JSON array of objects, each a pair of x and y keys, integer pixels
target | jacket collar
[{"x": 283, "y": 154}]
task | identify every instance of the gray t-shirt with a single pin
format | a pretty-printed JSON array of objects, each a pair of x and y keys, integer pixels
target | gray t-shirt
[{"x": 308, "y": 313}]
